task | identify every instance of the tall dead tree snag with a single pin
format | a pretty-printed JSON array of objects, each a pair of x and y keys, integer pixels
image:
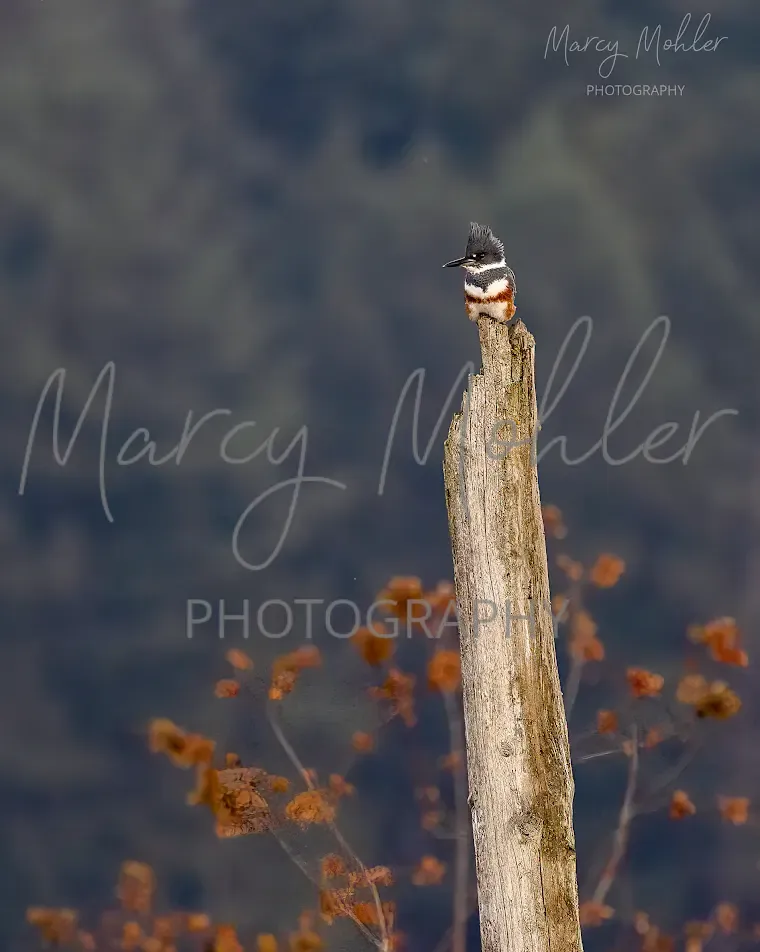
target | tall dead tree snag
[{"x": 518, "y": 753}]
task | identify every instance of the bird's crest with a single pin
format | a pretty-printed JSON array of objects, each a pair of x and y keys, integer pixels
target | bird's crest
[{"x": 482, "y": 239}]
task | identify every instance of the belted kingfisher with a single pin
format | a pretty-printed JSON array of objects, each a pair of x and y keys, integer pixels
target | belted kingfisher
[{"x": 489, "y": 284}]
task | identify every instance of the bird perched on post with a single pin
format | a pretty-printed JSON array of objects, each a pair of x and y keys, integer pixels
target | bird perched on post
[{"x": 489, "y": 284}]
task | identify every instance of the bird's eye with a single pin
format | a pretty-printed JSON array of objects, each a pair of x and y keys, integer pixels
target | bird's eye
[{"x": 480, "y": 254}]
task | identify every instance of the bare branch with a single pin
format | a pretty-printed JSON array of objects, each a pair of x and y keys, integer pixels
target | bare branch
[
  {"x": 384, "y": 942},
  {"x": 620, "y": 840}
]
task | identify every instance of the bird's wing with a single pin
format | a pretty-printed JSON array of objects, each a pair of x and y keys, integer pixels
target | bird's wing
[{"x": 511, "y": 277}]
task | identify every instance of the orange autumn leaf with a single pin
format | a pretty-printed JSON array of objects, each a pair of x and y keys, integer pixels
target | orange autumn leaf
[
  {"x": 239, "y": 659},
  {"x": 307, "y": 656},
  {"x": 583, "y": 626},
  {"x": 442, "y": 600},
  {"x": 266, "y": 942},
  {"x": 374, "y": 875},
  {"x": 339, "y": 787},
  {"x": 451, "y": 761},
  {"x": 403, "y": 596},
  {"x": 165, "y": 929},
  {"x": 719, "y": 702},
  {"x": 696, "y": 929},
  {"x": 333, "y": 866},
  {"x": 136, "y": 886},
  {"x": 278, "y": 784},
  {"x": 607, "y": 570},
  {"x": 444, "y": 671},
  {"x": 572, "y": 569},
  {"x": 334, "y": 903},
  {"x": 644, "y": 683},
  {"x": 719, "y": 705},
  {"x": 208, "y": 791},
  {"x": 373, "y": 644},
  {"x": 653, "y": 737},
  {"x": 431, "y": 819},
  {"x": 734, "y": 809},
  {"x": 368, "y": 914},
  {"x": 429, "y": 794},
  {"x": 606, "y": 722},
  {"x": 56, "y": 926},
  {"x": 362, "y": 742},
  {"x": 734, "y": 656},
  {"x": 306, "y": 920},
  {"x": 232, "y": 797},
  {"x": 726, "y": 627},
  {"x": 183, "y": 749},
  {"x": 168, "y": 930},
  {"x": 584, "y": 645},
  {"x": 657, "y": 941},
  {"x": 226, "y": 687},
  {"x": 287, "y": 667},
  {"x": 554, "y": 525},
  {"x": 696, "y": 935},
  {"x": 305, "y": 940},
  {"x": 310, "y": 807},
  {"x": 197, "y": 922},
  {"x": 691, "y": 688},
  {"x": 722, "y": 636},
  {"x": 242, "y": 810},
  {"x": 594, "y": 650},
  {"x": 681, "y": 806},
  {"x": 131, "y": 936},
  {"x": 726, "y": 917},
  {"x": 398, "y": 688},
  {"x": 429, "y": 872},
  {"x": 226, "y": 940},
  {"x": 594, "y": 913},
  {"x": 432, "y": 814}
]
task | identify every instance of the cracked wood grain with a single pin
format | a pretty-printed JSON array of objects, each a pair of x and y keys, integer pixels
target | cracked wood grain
[{"x": 518, "y": 754}]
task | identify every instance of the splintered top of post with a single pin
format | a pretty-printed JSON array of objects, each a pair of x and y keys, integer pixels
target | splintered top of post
[
  {"x": 508, "y": 355},
  {"x": 504, "y": 349}
]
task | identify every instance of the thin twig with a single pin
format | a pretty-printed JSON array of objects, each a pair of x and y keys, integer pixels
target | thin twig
[
  {"x": 620, "y": 841},
  {"x": 294, "y": 759},
  {"x": 677, "y": 769},
  {"x": 573, "y": 685},
  {"x": 655, "y": 803},
  {"x": 601, "y": 753}
]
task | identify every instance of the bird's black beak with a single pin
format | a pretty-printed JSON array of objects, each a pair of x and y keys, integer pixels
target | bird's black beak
[{"x": 456, "y": 263}]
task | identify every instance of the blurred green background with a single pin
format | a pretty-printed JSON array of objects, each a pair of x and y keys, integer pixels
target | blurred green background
[{"x": 246, "y": 205}]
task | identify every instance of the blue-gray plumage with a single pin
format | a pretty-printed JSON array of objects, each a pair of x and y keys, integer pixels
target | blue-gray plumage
[{"x": 482, "y": 279}]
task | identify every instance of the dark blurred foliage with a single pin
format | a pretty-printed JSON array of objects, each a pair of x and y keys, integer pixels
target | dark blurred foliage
[{"x": 246, "y": 206}]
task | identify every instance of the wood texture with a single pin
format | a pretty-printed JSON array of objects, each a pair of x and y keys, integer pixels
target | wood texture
[{"x": 518, "y": 754}]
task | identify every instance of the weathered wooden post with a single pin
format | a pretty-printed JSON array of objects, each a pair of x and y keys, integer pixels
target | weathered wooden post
[{"x": 518, "y": 754}]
